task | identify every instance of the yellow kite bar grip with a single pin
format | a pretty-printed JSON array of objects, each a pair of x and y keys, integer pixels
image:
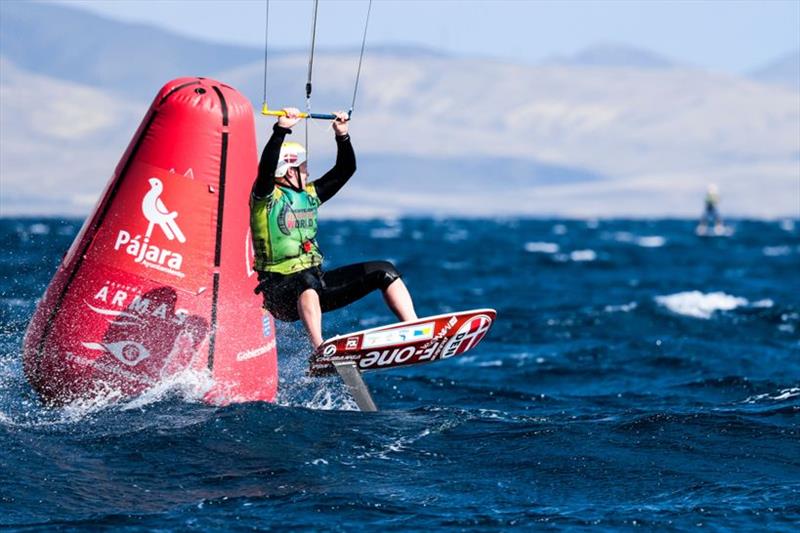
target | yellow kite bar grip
[{"x": 272, "y": 113}]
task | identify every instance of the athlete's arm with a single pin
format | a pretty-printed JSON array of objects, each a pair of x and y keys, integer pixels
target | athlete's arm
[
  {"x": 345, "y": 166},
  {"x": 265, "y": 181}
]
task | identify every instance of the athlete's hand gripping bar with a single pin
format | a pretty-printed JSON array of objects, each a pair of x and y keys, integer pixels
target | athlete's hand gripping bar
[{"x": 280, "y": 113}]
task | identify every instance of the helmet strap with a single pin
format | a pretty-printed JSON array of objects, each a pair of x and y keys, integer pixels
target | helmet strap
[{"x": 294, "y": 185}]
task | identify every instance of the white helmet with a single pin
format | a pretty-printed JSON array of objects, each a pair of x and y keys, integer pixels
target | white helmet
[{"x": 292, "y": 155}]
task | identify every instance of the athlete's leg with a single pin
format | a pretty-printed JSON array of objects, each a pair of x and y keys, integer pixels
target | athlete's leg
[
  {"x": 311, "y": 314},
  {"x": 399, "y": 300},
  {"x": 345, "y": 285}
]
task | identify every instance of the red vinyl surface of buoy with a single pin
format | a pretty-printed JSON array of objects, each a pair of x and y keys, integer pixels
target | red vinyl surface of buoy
[{"x": 160, "y": 278}]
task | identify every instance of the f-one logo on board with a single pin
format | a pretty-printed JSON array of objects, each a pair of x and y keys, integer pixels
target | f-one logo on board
[
  {"x": 467, "y": 337},
  {"x": 157, "y": 215}
]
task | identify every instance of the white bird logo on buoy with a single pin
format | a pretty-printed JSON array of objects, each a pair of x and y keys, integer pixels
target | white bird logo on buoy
[{"x": 157, "y": 213}]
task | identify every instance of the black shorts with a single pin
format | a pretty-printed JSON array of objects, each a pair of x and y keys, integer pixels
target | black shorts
[{"x": 336, "y": 288}]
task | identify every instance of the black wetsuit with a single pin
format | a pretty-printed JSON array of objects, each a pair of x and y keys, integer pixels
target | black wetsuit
[
  {"x": 336, "y": 288},
  {"x": 711, "y": 215}
]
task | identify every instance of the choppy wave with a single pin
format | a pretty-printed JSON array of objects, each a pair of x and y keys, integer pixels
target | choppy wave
[
  {"x": 782, "y": 395},
  {"x": 637, "y": 376}
]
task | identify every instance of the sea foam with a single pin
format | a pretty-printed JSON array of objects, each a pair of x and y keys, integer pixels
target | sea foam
[
  {"x": 541, "y": 247},
  {"x": 700, "y": 305}
]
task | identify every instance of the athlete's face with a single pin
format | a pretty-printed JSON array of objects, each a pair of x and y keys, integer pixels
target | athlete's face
[
  {"x": 303, "y": 170},
  {"x": 292, "y": 175}
]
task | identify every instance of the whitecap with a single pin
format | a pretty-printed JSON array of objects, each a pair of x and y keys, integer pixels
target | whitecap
[
  {"x": 623, "y": 236},
  {"x": 700, "y": 305},
  {"x": 715, "y": 231},
  {"x": 456, "y": 235},
  {"x": 385, "y": 233},
  {"x": 625, "y": 308},
  {"x": 775, "y": 251},
  {"x": 15, "y": 302},
  {"x": 647, "y": 241},
  {"x": 787, "y": 393},
  {"x": 787, "y": 224},
  {"x": 652, "y": 241},
  {"x": 783, "y": 394},
  {"x": 541, "y": 247},
  {"x": 398, "y": 444},
  {"x": 559, "y": 229},
  {"x": 492, "y": 413},
  {"x": 583, "y": 255},
  {"x": 38, "y": 229},
  {"x": 454, "y": 265}
]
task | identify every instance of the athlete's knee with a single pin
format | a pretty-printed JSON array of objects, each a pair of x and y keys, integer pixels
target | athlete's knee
[
  {"x": 385, "y": 272},
  {"x": 308, "y": 297}
]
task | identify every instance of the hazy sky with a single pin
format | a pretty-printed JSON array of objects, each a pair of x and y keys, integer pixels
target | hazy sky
[{"x": 718, "y": 34}]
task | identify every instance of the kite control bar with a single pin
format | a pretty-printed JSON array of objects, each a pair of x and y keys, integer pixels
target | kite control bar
[
  {"x": 280, "y": 113},
  {"x": 306, "y": 115}
]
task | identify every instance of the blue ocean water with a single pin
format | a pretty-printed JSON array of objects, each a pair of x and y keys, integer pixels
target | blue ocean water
[{"x": 637, "y": 376}]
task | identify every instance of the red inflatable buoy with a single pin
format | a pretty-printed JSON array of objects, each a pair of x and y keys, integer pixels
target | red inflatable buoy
[{"x": 159, "y": 278}]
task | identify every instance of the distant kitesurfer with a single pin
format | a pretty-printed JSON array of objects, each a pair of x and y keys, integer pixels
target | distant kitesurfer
[
  {"x": 711, "y": 217},
  {"x": 283, "y": 222}
]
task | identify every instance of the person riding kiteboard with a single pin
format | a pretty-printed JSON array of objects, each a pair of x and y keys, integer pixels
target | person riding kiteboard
[
  {"x": 711, "y": 221},
  {"x": 283, "y": 223}
]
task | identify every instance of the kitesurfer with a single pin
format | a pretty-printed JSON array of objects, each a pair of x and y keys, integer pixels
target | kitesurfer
[
  {"x": 711, "y": 217},
  {"x": 283, "y": 222}
]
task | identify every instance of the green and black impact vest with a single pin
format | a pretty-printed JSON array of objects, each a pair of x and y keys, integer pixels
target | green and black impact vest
[{"x": 284, "y": 228}]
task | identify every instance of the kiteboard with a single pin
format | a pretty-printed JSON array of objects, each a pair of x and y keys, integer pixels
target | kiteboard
[
  {"x": 424, "y": 340},
  {"x": 717, "y": 230}
]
